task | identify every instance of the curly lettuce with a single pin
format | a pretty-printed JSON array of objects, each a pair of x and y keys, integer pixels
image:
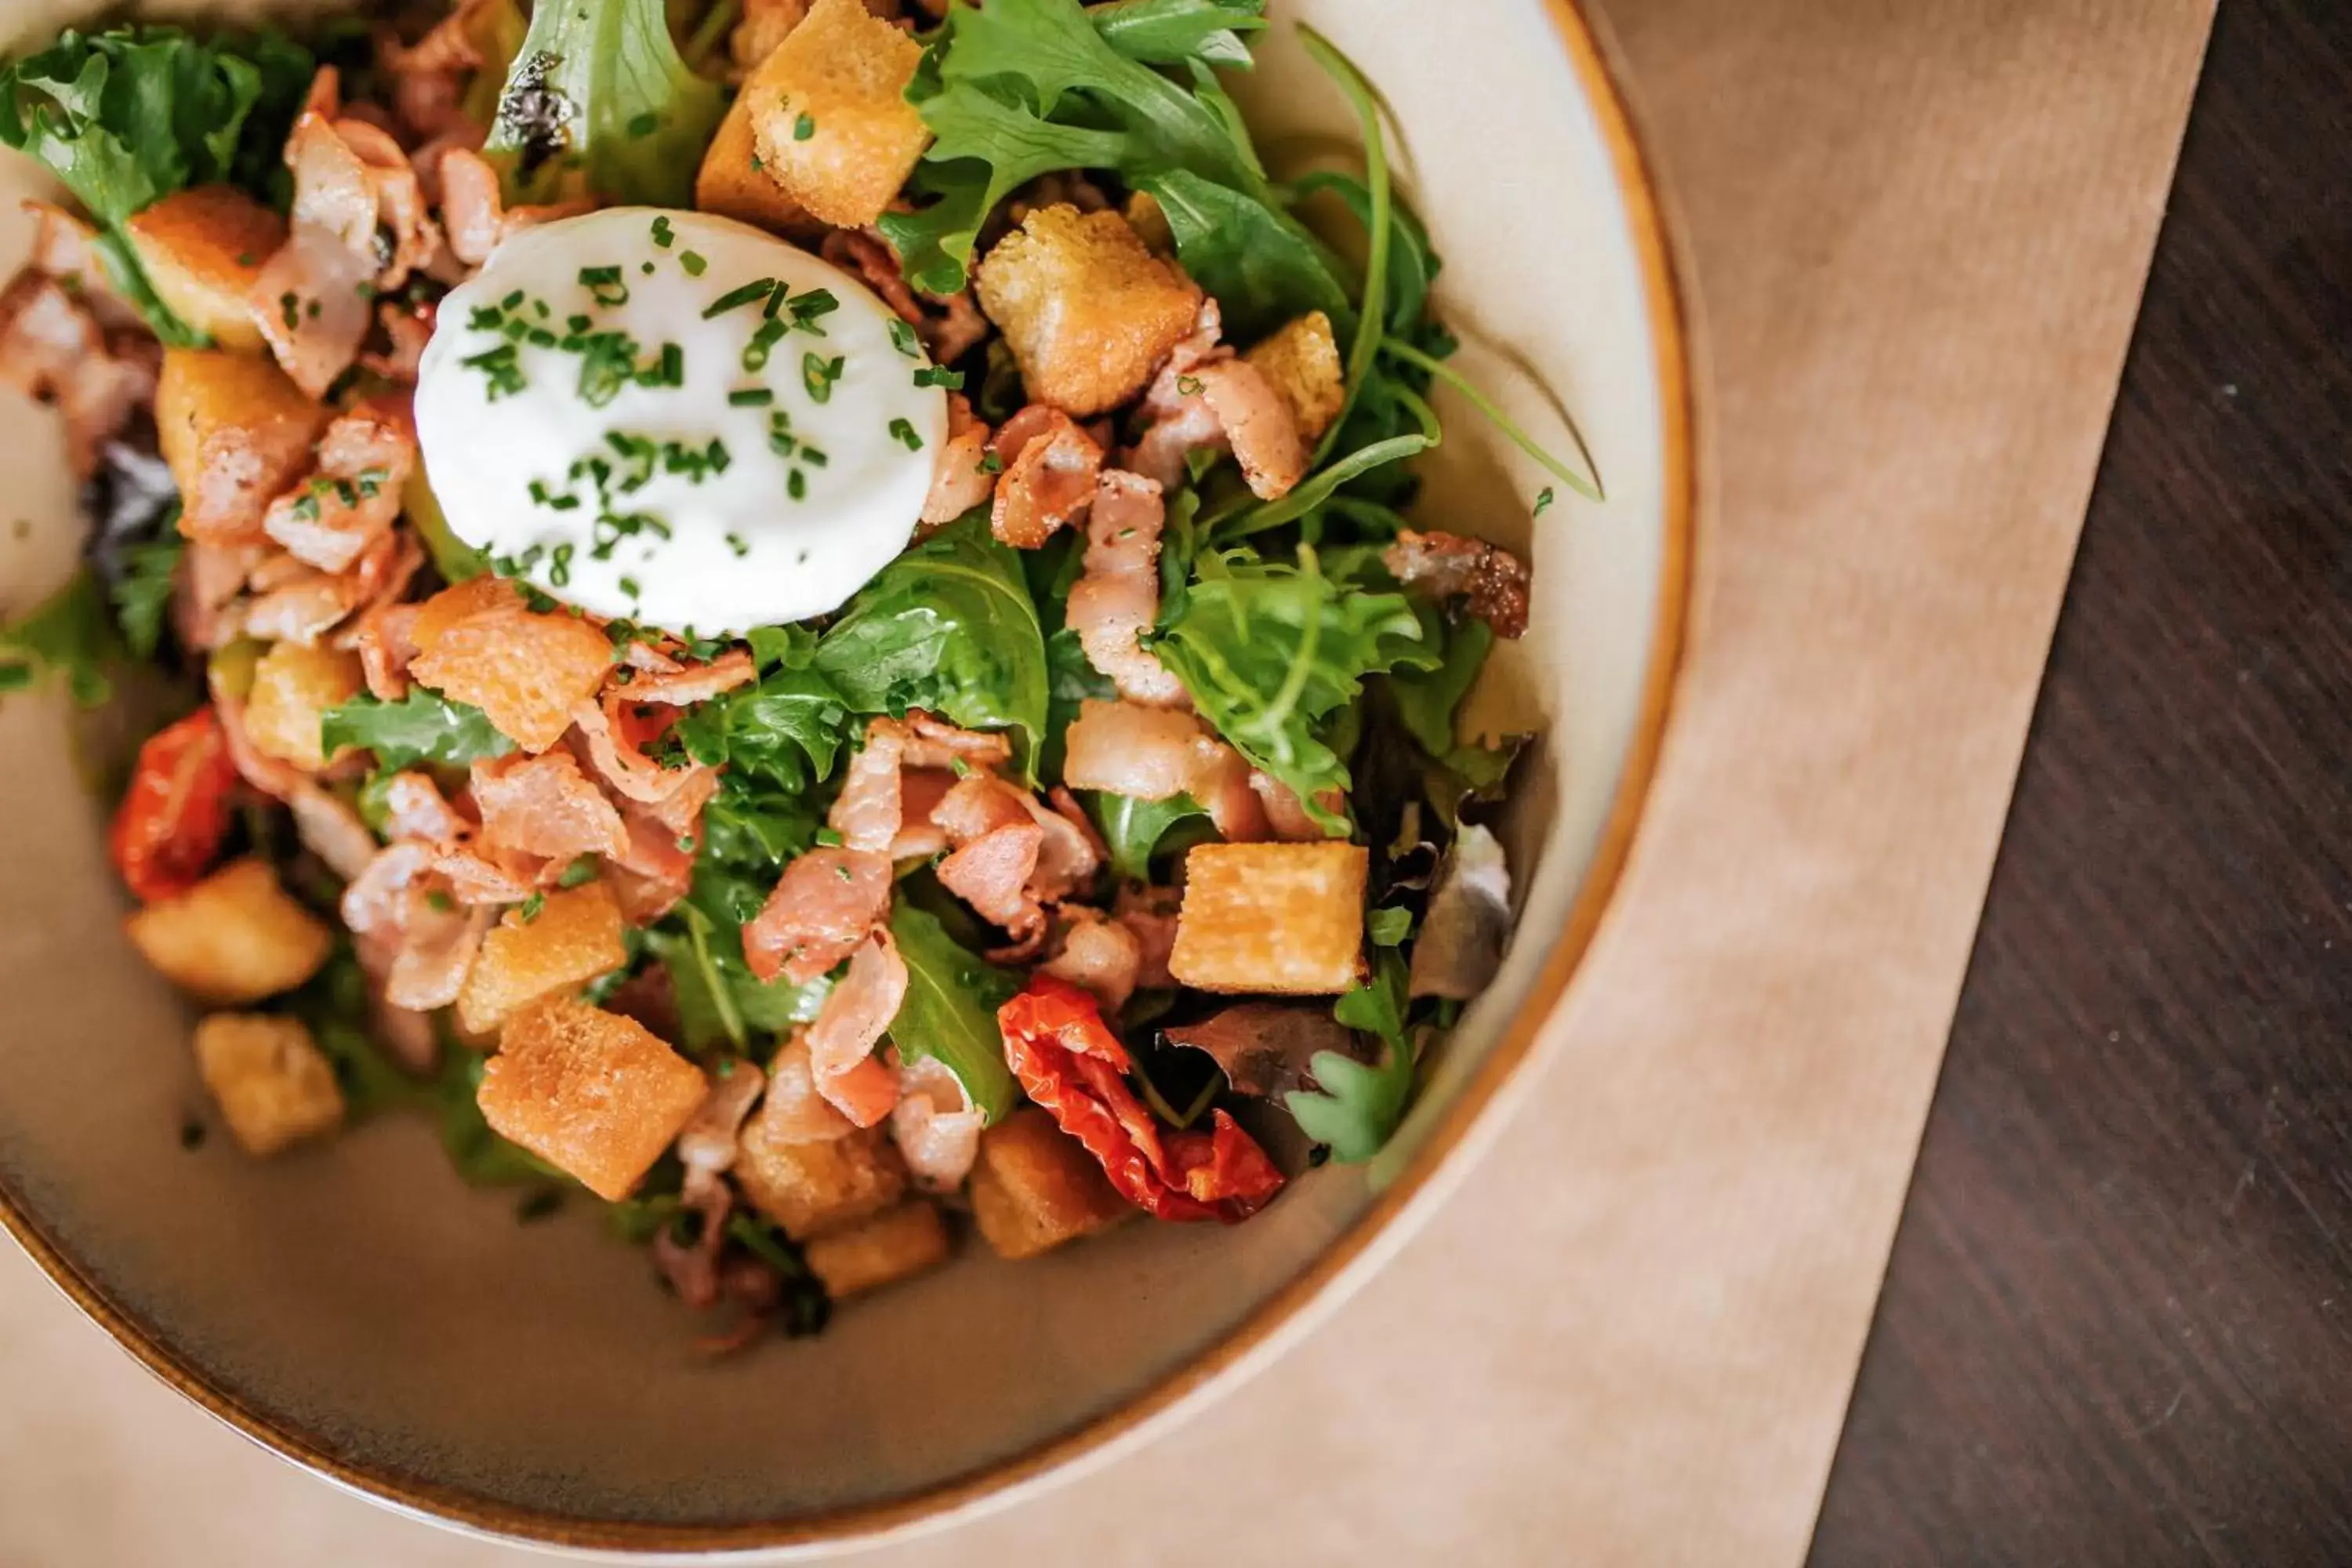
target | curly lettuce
[{"x": 599, "y": 97}]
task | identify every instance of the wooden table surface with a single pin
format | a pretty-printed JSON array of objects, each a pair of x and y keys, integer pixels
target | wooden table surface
[{"x": 2117, "y": 1326}]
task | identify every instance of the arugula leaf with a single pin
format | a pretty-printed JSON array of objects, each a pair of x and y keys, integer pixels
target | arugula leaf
[
  {"x": 143, "y": 593},
  {"x": 130, "y": 115},
  {"x": 1134, "y": 828},
  {"x": 422, "y": 727},
  {"x": 749, "y": 831},
  {"x": 1270, "y": 652},
  {"x": 789, "y": 727},
  {"x": 950, "y": 1012},
  {"x": 1355, "y": 1108},
  {"x": 1427, "y": 700},
  {"x": 948, "y": 626},
  {"x": 1024, "y": 88},
  {"x": 1260, "y": 264},
  {"x": 68, "y": 634},
  {"x": 599, "y": 93},
  {"x": 1181, "y": 32}
]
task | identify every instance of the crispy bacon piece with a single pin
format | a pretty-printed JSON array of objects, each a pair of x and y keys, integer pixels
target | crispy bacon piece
[
  {"x": 384, "y": 636},
  {"x": 821, "y": 911},
  {"x": 1152, "y": 754},
  {"x": 351, "y": 498},
  {"x": 415, "y": 808},
  {"x": 654, "y": 873},
  {"x": 429, "y": 77},
  {"x": 935, "y": 1125},
  {"x": 919, "y": 835},
  {"x": 706, "y": 1142},
  {"x": 478, "y": 874},
  {"x": 992, "y": 874},
  {"x": 1050, "y": 469},
  {"x": 330, "y": 830},
  {"x": 376, "y": 902},
  {"x": 408, "y": 327},
  {"x": 871, "y": 810},
  {"x": 544, "y": 805},
  {"x": 960, "y": 481},
  {"x": 682, "y": 685},
  {"x": 1069, "y": 1063},
  {"x": 1285, "y": 816},
  {"x": 1206, "y": 398},
  {"x": 976, "y": 804},
  {"x": 1490, "y": 581},
  {"x": 54, "y": 351},
  {"x": 1099, "y": 956},
  {"x": 952, "y": 325},
  {"x": 794, "y": 1113},
  {"x": 1117, "y": 597},
  {"x": 935, "y": 743},
  {"x": 622, "y": 762},
  {"x": 851, "y": 1023},
  {"x": 437, "y": 950},
  {"x": 295, "y": 602},
  {"x": 476, "y": 215}
]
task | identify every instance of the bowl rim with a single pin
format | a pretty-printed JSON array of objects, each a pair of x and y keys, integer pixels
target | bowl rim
[{"x": 1268, "y": 1326}]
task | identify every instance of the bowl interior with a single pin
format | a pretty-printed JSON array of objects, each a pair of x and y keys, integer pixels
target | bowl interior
[{"x": 362, "y": 1306}]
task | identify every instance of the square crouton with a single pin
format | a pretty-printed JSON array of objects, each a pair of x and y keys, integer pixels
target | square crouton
[
  {"x": 292, "y": 687},
  {"x": 892, "y": 1245},
  {"x": 830, "y": 116},
  {"x": 202, "y": 250},
  {"x": 273, "y": 1084},
  {"x": 1301, "y": 361},
  {"x": 235, "y": 937},
  {"x": 593, "y": 1094},
  {"x": 735, "y": 180},
  {"x": 1035, "y": 1187},
  {"x": 527, "y": 669},
  {"x": 1088, "y": 313},
  {"x": 574, "y": 936},
  {"x": 813, "y": 1189},
  {"x": 1281, "y": 918},
  {"x": 235, "y": 432}
]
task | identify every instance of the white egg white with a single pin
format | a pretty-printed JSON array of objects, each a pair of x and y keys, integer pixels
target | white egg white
[{"x": 589, "y": 418}]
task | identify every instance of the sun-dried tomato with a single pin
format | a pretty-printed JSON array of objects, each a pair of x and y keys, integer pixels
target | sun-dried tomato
[
  {"x": 1070, "y": 1063},
  {"x": 175, "y": 813}
]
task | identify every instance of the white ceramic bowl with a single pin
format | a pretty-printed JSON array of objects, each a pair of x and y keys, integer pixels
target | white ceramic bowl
[{"x": 358, "y": 1310}]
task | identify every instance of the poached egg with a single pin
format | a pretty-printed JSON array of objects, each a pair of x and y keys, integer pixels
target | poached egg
[{"x": 677, "y": 419}]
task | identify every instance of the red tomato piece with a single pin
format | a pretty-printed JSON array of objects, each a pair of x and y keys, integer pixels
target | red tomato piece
[{"x": 175, "y": 813}]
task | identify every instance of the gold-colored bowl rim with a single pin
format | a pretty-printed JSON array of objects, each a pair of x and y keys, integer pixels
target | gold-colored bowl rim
[{"x": 937, "y": 1504}]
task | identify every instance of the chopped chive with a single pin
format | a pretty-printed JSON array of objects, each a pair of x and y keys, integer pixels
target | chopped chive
[
  {"x": 1189, "y": 385},
  {"x": 644, "y": 125},
  {"x": 903, "y": 338},
  {"x": 693, "y": 262},
  {"x": 903, "y": 432},
  {"x": 776, "y": 297},
  {"x": 1543, "y": 500},
  {"x": 579, "y": 872},
  {"x": 604, "y": 286},
  {"x": 559, "y": 566},
  {"x": 750, "y": 398},
  {"x": 813, "y": 456},
  {"x": 818, "y": 375},
  {"x": 797, "y": 485},
  {"x": 807, "y": 308},
  {"x": 735, "y": 542},
  {"x": 739, "y": 296},
  {"x": 579, "y": 323},
  {"x": 289, "y": 307},
  {"x": 485, "y": 319},
  {"x": 629, "y": 587},
  {"x": 531, "y": 906},
  {"x": 932, "y": 375},
  {"x": 540, "y": 308},
  {"x": 992, "y": 464},
  {"x": 646, "y": 268},
  {"x": 803, "y": 128},
  {"x": 663, "y": 232},
  {"x": 756, "y": 351}
]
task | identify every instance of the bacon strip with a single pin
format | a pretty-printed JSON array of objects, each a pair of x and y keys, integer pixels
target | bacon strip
[
  {"x": 960, "y": 481},
  {"x": 54, "y": 351},
  {"x": 1206, "y": 398},
  {"x": 1490, "y": 581},
  {"x": 1050, "y": 467},
  {"x": 544, "y": 805},
  {"x": 935, "y": 1125},
  {"x": 1117, "y": 597},
  {"x": 856, "y": 1013},
  {"x": 821, "y": 911},
  {"x": 1154, "y": 753},
  {"x": 365, "y": 456}
]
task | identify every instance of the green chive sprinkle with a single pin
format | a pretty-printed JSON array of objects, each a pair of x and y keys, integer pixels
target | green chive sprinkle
[
  {"x": 932, "y": 375},
  {"x": 629, "y": 587},
  {"x": 808, "y": 307},
  {"x": 531, "y": 906},
  {"x": 511, "y": 301},
  {"x": 644, "y": 125},
  {"x": 663, "y": 232},
  {"x": 693, "y": 262},
  {"x": 902, "y": 337},
  {"x": 903, "y": 432},
  {"x": 759, "y": 289},
  {"x": 735, "y": 542},
  {"x": 559, "y": 566},
  {"x": 603, "y": 284},
  {"x": 818, "y": 375},
  {"x": 1543, "y": 500},
  {"x": 797, "y": 485},
  {"x": 803, "y": 128},
  {"x": 755, "y": 353},
  {"x": 750, "y": 398}
]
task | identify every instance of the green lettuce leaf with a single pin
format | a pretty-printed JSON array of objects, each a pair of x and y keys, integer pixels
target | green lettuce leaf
[
  {"x": 598, "y": 95},
  {"x": 68, "y": 636},
  {"x": 1181, "y": 32},
  {"x": 130, "y": 115},
  {"x": 787, "y": 727},
  {"x": 1272, "y": 652},
  {"x": 750, "y": 830},
  {"x": 949, "y": 1013},
  {"x": 422, "y": 727},
  {"x": 142, "y": 595},
  {"x": 1134, "y": 830},
  {"x": 948, "y": 626},
  {"x": 1355, "y": 1108}
]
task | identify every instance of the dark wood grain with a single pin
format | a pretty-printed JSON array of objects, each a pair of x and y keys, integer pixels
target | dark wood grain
[{"x": 2118, "y": 1329}]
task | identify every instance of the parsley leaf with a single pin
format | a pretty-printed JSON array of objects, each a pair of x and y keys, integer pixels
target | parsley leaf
[
  {"x": 1270, "y": 652},
  {"x": 1355, "y": 1108},
  {"x": 422, "y": 727}
]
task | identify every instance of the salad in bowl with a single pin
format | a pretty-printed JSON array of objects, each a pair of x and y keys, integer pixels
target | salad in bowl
[{"x": 795, "y": 618}]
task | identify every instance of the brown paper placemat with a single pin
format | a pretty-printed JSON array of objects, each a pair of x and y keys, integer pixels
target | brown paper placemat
[{"x": 1920, "y": 232}]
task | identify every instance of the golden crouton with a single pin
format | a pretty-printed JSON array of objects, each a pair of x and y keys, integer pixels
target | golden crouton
[
  {"x": 1035, "y": 1187},
  {"x": 830, "y": 116},
  {"x": 1301, "y": 361},
  {"x": 526, "y": 669},
  {"x": 292, "y": 687},
  {"x": 202, "y": 250},
  {"x": 734, "y": 180},
  {"x": 891, "y": 1245},
  {"x": 574, "y": 936},
  {"x": 1285, "y": 918},
  {"x": 233, "y": 938},
  {"x": 273, "y": 1085},
  {"x": 1087, "y": 311},
  {"x": 234, "y": 432},
  {"x": 593, "y": 1094},
  {"x": 814, "y": 1188}
]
